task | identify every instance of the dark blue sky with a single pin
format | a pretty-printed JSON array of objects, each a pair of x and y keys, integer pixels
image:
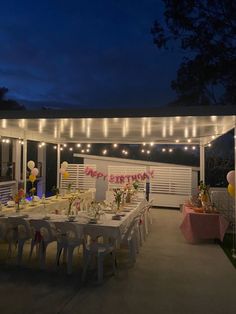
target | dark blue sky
[{"x": 86, "y": 53}]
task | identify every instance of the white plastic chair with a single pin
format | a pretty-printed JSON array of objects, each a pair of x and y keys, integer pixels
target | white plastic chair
[
  {"x": 44, "y": 234},
  {"x": 130, "y": 238},
  {"x": 18, "y": 232},
  {"x": 93, "y": 248},
  {"x": 69, "y": 237},
  {"x": 3, "y": 228}
]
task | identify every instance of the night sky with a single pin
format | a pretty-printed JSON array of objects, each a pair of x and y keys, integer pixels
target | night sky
[{"x": 84, "y": 53}]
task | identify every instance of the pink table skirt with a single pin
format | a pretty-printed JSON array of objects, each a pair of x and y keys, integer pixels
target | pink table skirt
[{"x": 202, "y": 226}]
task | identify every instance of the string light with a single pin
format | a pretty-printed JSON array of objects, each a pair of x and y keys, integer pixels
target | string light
[
  {"x": 82, "y": 151},
  {"x": 115, "y": 145},
  {"x": 88, "y": 145},
  {"x": 71, "y": 148},
  {"x": 104, "y": 152},
  {"x": 163, "y": 149},
  {"x": 193, "y": 147},
  {"x": 185, "y": 147},
  {"x": 170, "y": 150},
  {"x": 55, "y": 147},
  {"x": 78, "y": 145},
  {"x": 87, "y": 150},
  {"x": 151, "y": 144},
  {"x": 65, "y": 145}
]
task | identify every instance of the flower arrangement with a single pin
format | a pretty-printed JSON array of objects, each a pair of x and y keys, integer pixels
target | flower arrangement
[
  {"x": 69, "y": 186},
  {"x": 204, "y": 194},
  {"x": 71, "y": 200},
  {"x": 95, "y": 210},
  {"x": 118, "y": 193},
  {"x": 19, "y": 196},
  {"x": 136, "y": 185}
]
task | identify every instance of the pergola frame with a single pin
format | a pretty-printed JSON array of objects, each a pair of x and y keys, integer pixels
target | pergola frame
[{"x": 161, "y": 125}]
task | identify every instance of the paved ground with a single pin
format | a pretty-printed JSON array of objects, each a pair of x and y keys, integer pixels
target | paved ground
[{"x": 170, "y": 276}]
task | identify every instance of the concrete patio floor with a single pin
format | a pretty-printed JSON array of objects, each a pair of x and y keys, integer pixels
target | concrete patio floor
[{"x": 170, "y": 276}]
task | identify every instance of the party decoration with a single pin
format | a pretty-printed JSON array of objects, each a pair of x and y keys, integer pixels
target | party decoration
[
  {"x": 231, "y": 190},
  {"x": 66, "y": 175},
  {"x": 32, "y": 178},
  {"x": 62, "y": 170},
  {"x": 31, "y": 164},
  {"x": 64, "y": 165},
  {"x": 231, "y": 177},
  {"x": 119, "y": 178},
  {"x": 35, "y": 172}
]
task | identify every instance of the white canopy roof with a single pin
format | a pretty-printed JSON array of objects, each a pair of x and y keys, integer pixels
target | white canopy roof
[{"x": 162, "y": 125}]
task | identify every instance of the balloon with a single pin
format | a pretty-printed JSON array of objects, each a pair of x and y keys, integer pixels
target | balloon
[
  {"x": 231, "y": 177},
  {"x": 231, "y": 190},
  {"x": 32, "y": 178},
  {"x": 31, "y": 164},
  {"x": 66, "y": 175},
  {"x": 35, "y": 172},
  {"x": 64, "y": 165},
  {"x": 62, "y": 170}
]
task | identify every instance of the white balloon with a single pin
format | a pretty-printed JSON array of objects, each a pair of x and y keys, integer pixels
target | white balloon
[
  {"x": 35, "y": 172},
  {"x": 31, "y": 164},
  {"x": 64, "y": 165}
]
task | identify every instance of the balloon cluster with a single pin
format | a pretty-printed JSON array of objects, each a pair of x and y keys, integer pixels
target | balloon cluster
[
  {"x": 63, "y": 169},
  {"x": 230, "y": 178},
  {"x": 33, "y": 171}
]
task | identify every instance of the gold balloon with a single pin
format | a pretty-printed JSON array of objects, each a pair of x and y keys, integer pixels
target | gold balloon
[
  {"x": 231, "y": 190},
  {"x": 32, "y": 178},
  {"x": 66, "y": 175}
]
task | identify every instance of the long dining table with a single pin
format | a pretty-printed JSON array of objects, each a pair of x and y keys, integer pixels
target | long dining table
[{"x": 53, "y": 210}]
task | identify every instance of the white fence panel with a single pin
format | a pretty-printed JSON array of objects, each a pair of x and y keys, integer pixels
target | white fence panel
[
  {"x": 170, "y": 186},
  {"x": 6, "y": 191},
  {"x": 78, "y": 178},
  {"x": 125, "y": 170}
]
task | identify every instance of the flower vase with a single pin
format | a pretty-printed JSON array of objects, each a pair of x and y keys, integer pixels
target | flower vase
[
  {"x": 17, "y": 207},
  {"x": 69, "y": 210},
  {"x": 128, "y": 197},
  {"x": 118, "y": 206}
]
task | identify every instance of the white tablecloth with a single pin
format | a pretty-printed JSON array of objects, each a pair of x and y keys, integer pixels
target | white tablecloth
[{"x": 106, "y": 227}]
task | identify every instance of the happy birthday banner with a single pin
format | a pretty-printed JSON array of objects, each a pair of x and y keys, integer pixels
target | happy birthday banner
[{"x": 141, "y": 176}]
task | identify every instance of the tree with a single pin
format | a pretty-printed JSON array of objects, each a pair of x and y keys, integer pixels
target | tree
[
  {"x": 206, "y": 32},
  {"x": 8, "y": 104}
]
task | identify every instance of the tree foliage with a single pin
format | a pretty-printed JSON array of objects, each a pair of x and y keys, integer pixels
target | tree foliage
[
  {"x": 8, "y": 104},
  {"x": 206, "y": 32}
]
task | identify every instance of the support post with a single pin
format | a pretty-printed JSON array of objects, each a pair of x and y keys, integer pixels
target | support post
[
  {"x": 58, "y": 164},
  {"x": 41, "y": 186},
  {"x": 25, "y": 164},
  {"x": 234, "y": 223},
  {"x": 202, "y": 162}
]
